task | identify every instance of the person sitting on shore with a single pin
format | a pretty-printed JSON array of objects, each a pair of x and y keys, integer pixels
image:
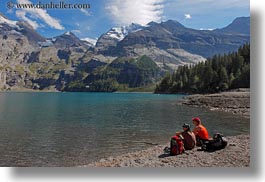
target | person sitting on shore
[
  {"x": 200, "y": 131},
  {"x": 189, "y": 138}
]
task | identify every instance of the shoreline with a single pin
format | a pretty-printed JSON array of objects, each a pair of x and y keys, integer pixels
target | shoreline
[
  {"x": 236, "y": 154},
  {"x": 236, "y": 102}
]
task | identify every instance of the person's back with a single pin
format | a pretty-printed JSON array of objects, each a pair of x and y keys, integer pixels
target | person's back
[{"x": 189, "y": 140}]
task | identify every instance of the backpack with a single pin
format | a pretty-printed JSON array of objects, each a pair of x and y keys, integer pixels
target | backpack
[
  {"x": 217, "y": 143},
  {"x": 176, "y": 145}
]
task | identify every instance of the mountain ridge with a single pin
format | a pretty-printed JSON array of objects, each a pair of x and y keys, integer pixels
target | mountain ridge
[
  {"x": 66, "y": 63},
  {"x": 171, "y": 34},
  {"x": 237, "y": 26}
]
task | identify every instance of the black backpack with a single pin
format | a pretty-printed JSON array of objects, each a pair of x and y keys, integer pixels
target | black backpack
[{"x": 217, "y": 143}]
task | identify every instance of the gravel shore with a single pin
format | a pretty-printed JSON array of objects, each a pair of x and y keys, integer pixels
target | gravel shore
[
  {"x": 236, "y": 102},
  {"x": 236, "y": 154}
]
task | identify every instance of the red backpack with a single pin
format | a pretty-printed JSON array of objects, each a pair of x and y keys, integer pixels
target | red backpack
[{"x": 176, "y": 145}]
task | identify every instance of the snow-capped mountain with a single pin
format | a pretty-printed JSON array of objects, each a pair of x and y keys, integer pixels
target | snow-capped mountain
[
  {"x": 115, "y": 35},
  {"x": 89, "y": 41},
  {"x": 120, "y": 32}
]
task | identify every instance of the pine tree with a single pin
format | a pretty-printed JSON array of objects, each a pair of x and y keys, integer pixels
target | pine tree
[{"x": 224, "y": 81}]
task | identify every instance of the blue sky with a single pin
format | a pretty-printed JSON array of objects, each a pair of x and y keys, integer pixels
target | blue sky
[{"x": 105, "y": 14}]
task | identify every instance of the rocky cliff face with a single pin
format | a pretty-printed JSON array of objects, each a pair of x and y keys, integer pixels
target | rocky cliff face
[
  {"x": 29, "y": 61},
  {"x": 16, "y": 46}
]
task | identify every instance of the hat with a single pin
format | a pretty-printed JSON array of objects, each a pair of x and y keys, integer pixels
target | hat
[
  {"x": 185, "y": 125},
  {"x": 196, "y": 119}
]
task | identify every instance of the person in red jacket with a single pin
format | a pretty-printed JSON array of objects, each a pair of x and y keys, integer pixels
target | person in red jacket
[{"x": 200, "y": 131}]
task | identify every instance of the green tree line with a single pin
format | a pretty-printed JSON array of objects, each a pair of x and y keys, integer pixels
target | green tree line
[{"x": 219, "y": 73}]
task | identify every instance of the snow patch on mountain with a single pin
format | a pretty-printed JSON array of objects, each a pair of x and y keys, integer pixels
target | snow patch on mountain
[
  {"x": 89, "y": 41},
  {"x": 119, "y": 33},
  {"x": 67, "y": 33},
  {"x": 8, "y": 22}
]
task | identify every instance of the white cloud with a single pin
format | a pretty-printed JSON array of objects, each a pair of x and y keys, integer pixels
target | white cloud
[
  {"x": 76, "y": 31},
  {"x": 187, "y": 16},
  {"x": 85, "y": 12},
  {"x": 22, "y": 15},
  {"x": 37, "y": 14},
  {"x": 124, "y": 12}
]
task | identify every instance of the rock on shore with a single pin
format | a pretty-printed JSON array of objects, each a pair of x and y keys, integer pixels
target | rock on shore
[
  {"x": 237, "y": 101},
  {"x": 236, "y": 154}
]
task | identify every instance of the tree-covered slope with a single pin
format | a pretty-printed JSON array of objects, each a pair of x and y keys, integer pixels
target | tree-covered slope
[
  {"x": 120, "y": 74},
  {"x": 219, "y": 73}
]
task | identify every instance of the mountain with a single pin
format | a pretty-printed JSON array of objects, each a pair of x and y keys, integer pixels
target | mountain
[
  {"x": 30, "y": 61},
  {"x": 16, "y": 47},
  {"x": 240, "y": 26},
  {"x": 122, "y": 42},
  {"x": 30, "y": 33},
  {"x": 89, "y": 42},
  {"x": 122, "y": 58},
  {"x": 109, "y": 40},
  {"x": 68, "y": 39},
  {"x": 4, "y": 20},
  {"x": 18, "y": 27},
  {"x": 173, "y": 35},
  {"x": 120, "y": 74}
]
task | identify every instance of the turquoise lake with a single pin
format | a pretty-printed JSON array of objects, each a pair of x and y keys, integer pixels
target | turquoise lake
[{"x": 72, "y": 129}]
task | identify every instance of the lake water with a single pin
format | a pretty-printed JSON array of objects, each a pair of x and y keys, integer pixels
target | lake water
[{"x": 71, "y": 129}]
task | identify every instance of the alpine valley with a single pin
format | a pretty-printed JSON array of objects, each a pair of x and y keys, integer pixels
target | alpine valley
[{"x": 128, "y": 58}]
